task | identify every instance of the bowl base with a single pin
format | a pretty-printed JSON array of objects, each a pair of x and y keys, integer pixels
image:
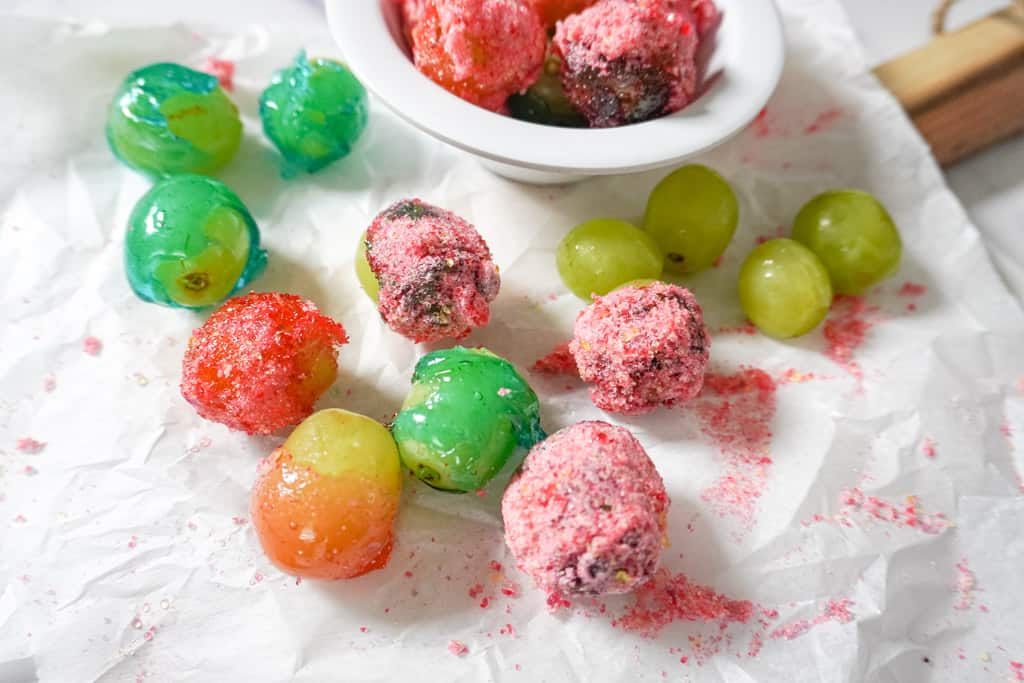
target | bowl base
[{"x": 529, "y": 175}]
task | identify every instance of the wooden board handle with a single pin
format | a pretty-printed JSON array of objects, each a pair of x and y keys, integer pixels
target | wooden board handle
[{"x": 965, "y": 89}]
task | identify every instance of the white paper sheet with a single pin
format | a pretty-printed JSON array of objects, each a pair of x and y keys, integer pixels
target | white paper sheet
[{"x": 126, "y": 554}]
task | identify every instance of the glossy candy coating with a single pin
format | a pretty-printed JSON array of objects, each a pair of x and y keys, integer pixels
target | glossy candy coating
[
  {"x": 466, "y": 413},
  {"x": 261, "y": 361},
  {"x": 599, "y": 255},
  {"x": 586, "y": 515},
  {"x": 784, "y": 288},
  {"x": 191, "y": 243},
  {"x": 480, "y": 50},
  {"x": 325, "y": 502},
  {"x": 314, "y": 111},
  {"x": 167, "y": 119},
  {"x": 853, "y": 235},
  {"x": 692, "y": 215}
]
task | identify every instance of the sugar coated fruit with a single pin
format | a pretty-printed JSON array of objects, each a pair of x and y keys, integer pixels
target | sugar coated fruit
[
  {"x": 435, "y": 271},
  {"x": 692, "y": 215},
  {"x": 314, "y": 111},
  {"x": 480, "y": 50},
  {"x": 324, "y": 503},
  {"x": 642, "y": 347},
  {"x": 784, "y": 288},
  {"x": 167, "y": 119},
  {"x": 465, "y": 415},
  {"x": 191, "y": 243},
  {"x": 552, "y": 11},
  {"x": 261, "y": 361},
  {"x": 853, "y": 235},
  {"x": 625, "y": 61},
  {"x": 586, "y": 515},
  {"x": 597, "y": 256}
]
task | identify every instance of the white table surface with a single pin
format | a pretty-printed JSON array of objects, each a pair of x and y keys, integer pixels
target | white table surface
[{"x": 990, "y": 185}]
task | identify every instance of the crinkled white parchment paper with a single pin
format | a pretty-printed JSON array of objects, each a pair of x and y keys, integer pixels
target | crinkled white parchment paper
[{"x": 125, "y": 550}]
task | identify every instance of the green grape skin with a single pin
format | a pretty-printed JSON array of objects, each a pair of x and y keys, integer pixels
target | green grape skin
[
  {"x": 639, "y": 282},
  {"x": 784, "y": 288},
  {"x": 853, "y": 235},
  {"x": 599, "y": 255},
  {"x": 367, "y": 280},
  {"x": 167, "y": 119},
  {"x": 692, "y": 215}
]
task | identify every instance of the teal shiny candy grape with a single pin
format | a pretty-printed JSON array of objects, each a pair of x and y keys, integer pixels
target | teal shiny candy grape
[
  {"x": 784, "y": 288},
  {"x": 314, "y": 111},
  {"x": 692, "y": 215},
  {"x": 191, "y": 243},
  {"x": 853, "y": 235},
  {"x": 467, "y": 412},
  {"x": 167, "y": 119}
]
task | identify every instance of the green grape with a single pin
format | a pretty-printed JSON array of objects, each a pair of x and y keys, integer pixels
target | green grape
[
  {"x": 784, "y": 288},
  {"x": 853, "y": 235},
  {"x": 168, "y": 119},
  {"x": 367, "y": 280},
  {"x": 599, "y": 255},
  {"x": 545, "y": 101},
  {"x": 692, "y": 214},
  {"x": 639, "y": 282}
]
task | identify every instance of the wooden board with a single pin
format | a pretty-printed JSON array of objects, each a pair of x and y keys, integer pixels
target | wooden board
[{"x": 965, "y": 89}]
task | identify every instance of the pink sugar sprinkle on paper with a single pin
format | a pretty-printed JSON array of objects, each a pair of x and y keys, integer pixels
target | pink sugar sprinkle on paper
[
  {"x": 92, "y": 346},
  {"x": 1017, "y": 670},
  {"x": 735, "y": 412},
  {"x": 965, "y": 586},
  {"x": 458, "y": 648},
  {"x": 558, "y": 362},
  {"x": 223, "y": 69},
  {"x": 824, "y": 121},
  {"x": 928, "y": 448},
  {"x": 667, "y": 599},
  {"x": 29, "y": 445},
  {"x": 912, "y": 289},
  {"x": 49, "y": 383},
  {"x": 835, "y": 610},
  {"x": 846, "y": 329},
  {"x": 30, "y": 471}
]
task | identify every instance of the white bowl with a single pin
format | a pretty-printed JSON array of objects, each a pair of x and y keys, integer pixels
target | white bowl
[{"x": 747, "y": 62}]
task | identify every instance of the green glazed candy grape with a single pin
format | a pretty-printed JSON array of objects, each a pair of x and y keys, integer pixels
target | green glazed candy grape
[
  {"x": 599, "y": 255},
  {"x": 191, "y": 243},
  {"x": 167, "y": 119},
  {"x": 313, "y": 112},
  {"x": 784, "y": 288},
  {"x": 367, "y": 280},
  {"x": 466, "y": 413},
  {"x": 853, "y": 235},
  {"x": 692, "y": 215}
]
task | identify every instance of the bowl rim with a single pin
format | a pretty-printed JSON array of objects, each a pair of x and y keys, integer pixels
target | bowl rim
[{"x": 749, "y": 57}]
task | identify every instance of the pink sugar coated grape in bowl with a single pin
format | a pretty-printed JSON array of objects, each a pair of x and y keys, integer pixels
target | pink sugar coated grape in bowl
[{"x": 740, "y": 62}]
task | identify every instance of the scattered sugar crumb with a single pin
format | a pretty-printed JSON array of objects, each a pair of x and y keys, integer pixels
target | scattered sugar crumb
[
  {"x": 29, "y": 445},
  {"x": 965, "y": 586},
  {"x": 824, "y": 121},
  {"x": 458, "y": 648},
  {"x": 558, "y": 362},
  {"x": 835, "y": 610},
  {"x": 92, "y": 346},
  {"x": 928, "y": 448},
  {"x": 223, "y": 69},
  {"x": 49, "y": 383},
  {"x": 846, "y": 330},
  {"x": 912, "y": 289}
]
